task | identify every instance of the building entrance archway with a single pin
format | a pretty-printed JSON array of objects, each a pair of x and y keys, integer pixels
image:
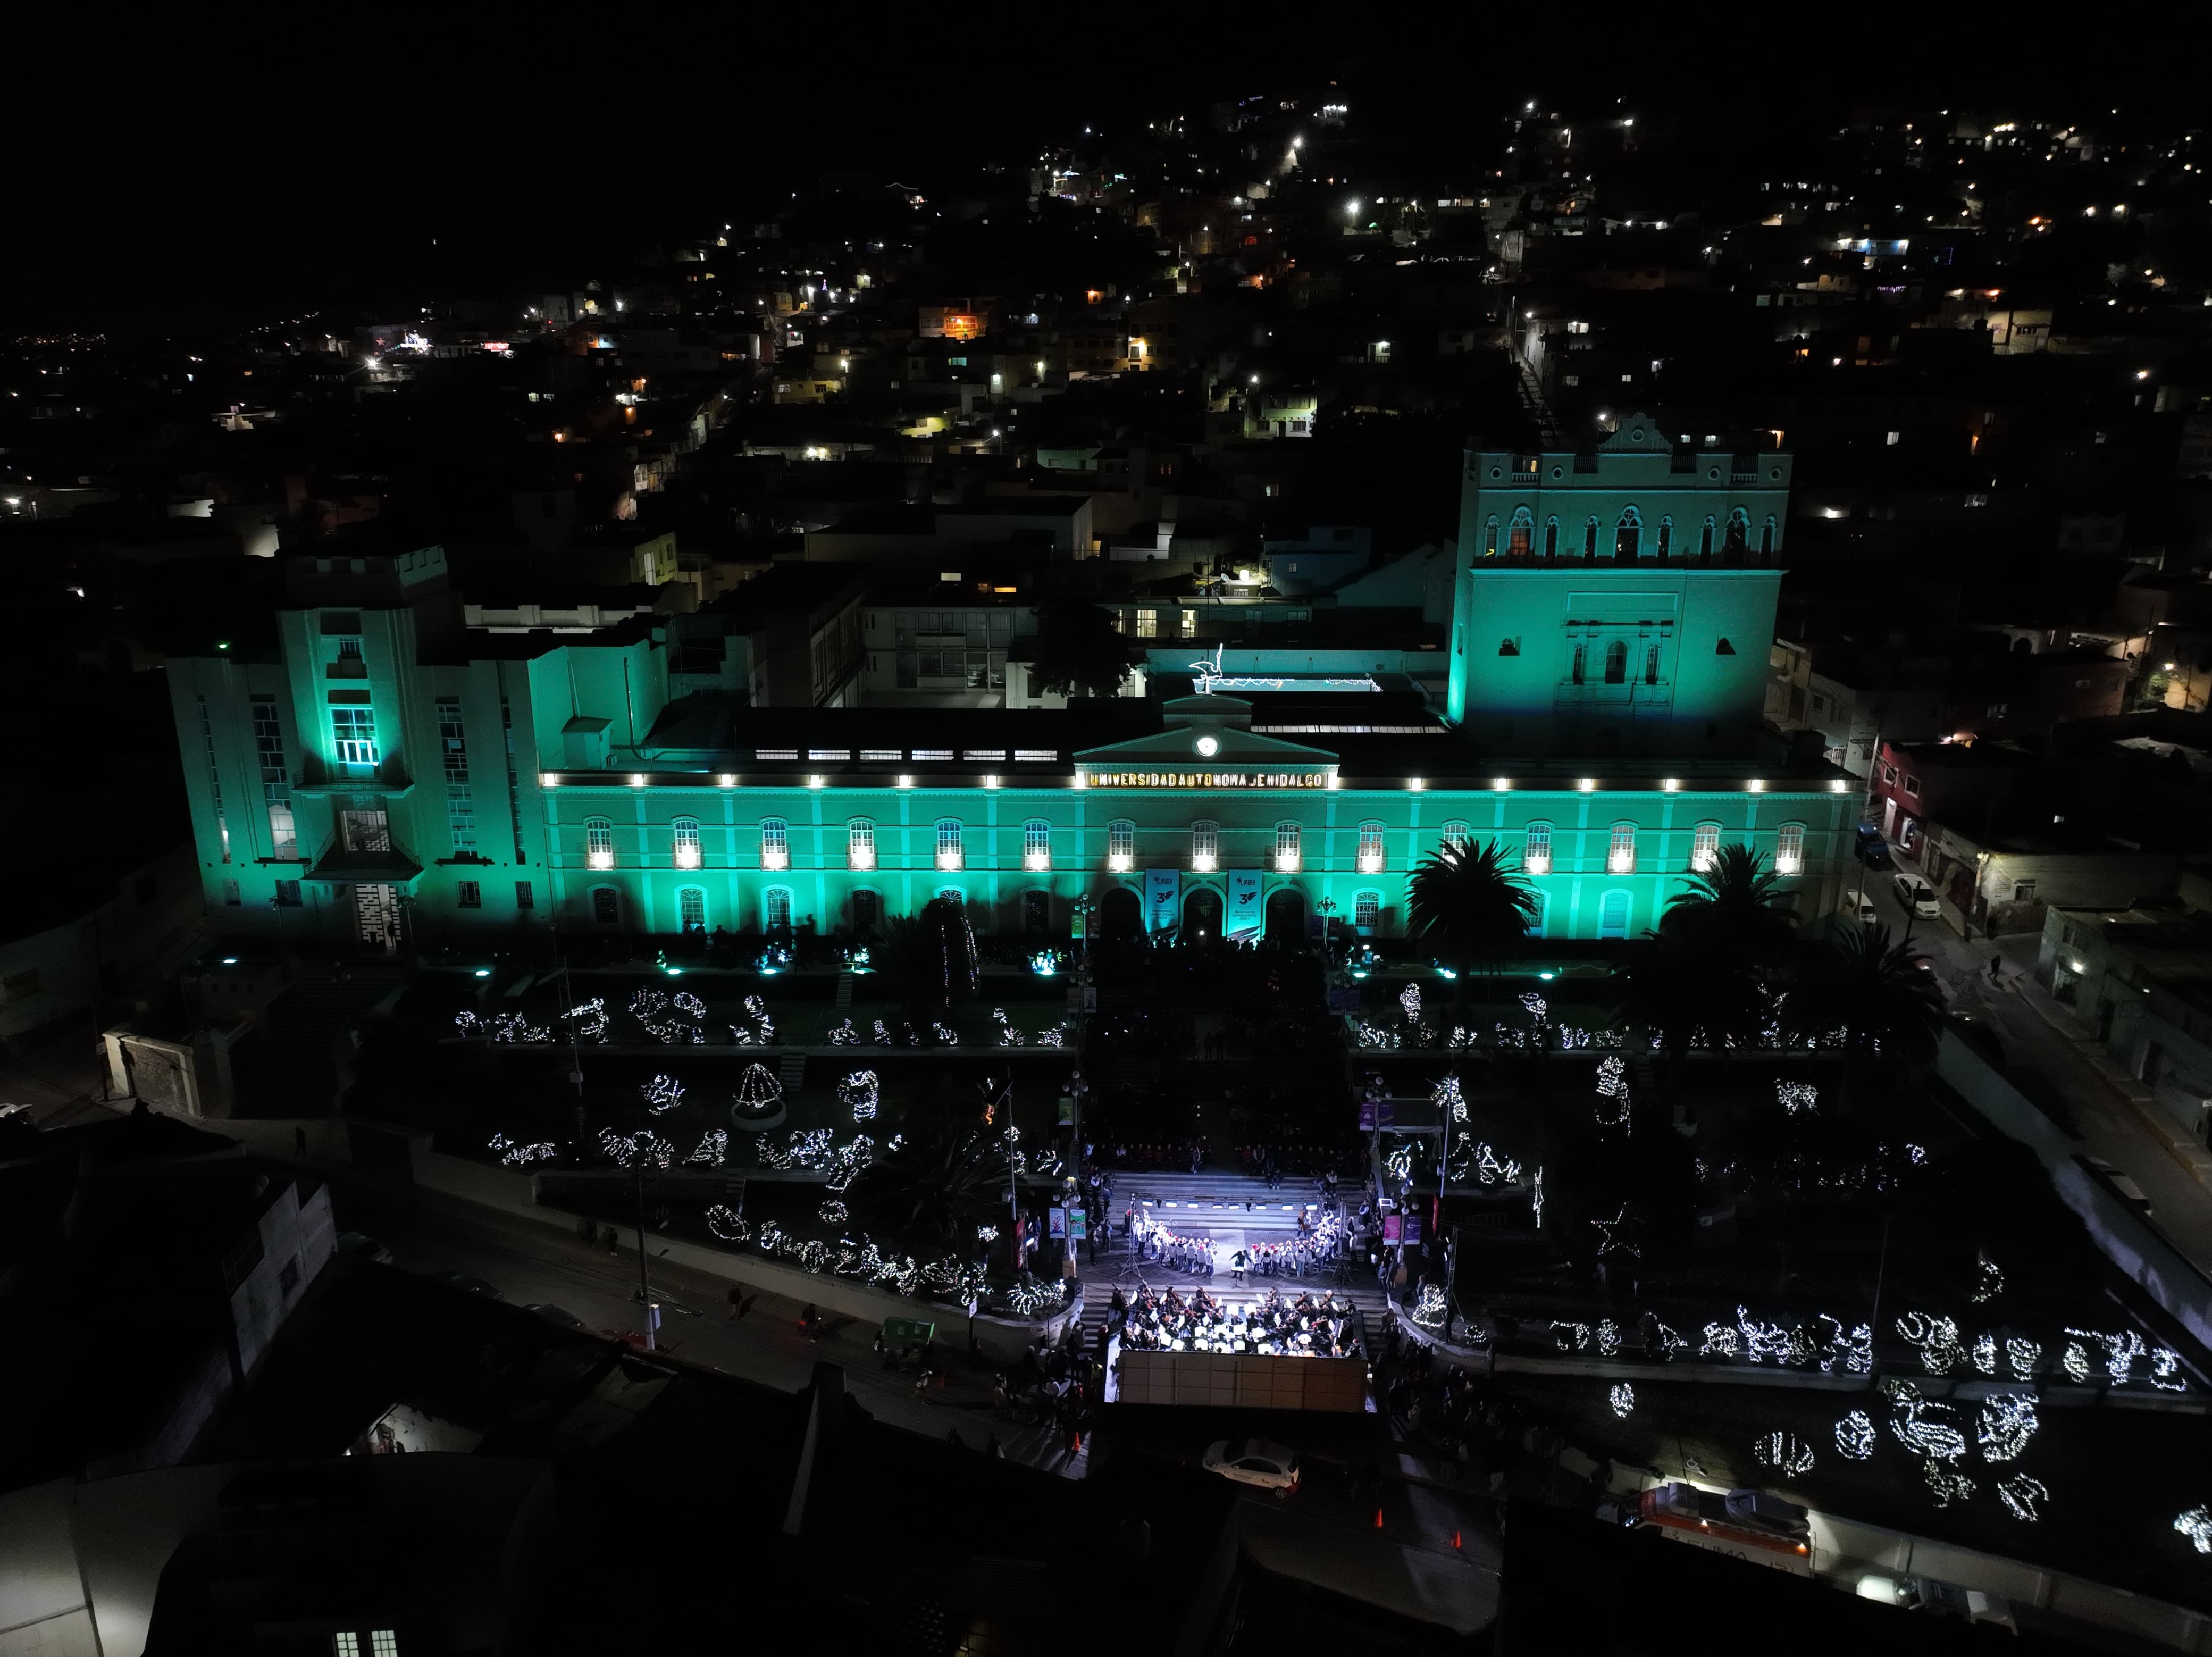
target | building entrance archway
[
  {"x": 1201, "y": 914},
  {"x": 1287, "y": 915},
  {"x": 1120, "y": 913}
]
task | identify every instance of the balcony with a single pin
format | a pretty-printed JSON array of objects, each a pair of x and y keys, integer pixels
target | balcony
[
  {"x": 1037, "y": 863},
  {"x": 317, "y": 777},
  {"x": 1370, "y": 863},
  {"x": 1203, "y": 863},
  {"x": 687, "y": 857},
  {"x": 1119, "y": 862},
  {"x": 950, "y": 861},
  {"x": 775, "y": 857},
  {"x": 1286, "y": 863},
  {"x": 860, "y": 856}
]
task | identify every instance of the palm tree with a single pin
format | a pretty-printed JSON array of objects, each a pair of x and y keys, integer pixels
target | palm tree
[
  {"x": 931, "y": 1191},
  {"x": 931, "y": 957},
  {"x": 1670, "y": 987},
  {"x": 1871, "y": 990},
  {"x": 1470, "y": 908},
  {"x": 1734, "y": 905}
]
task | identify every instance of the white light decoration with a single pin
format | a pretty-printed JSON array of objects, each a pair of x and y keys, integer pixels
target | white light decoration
[
  {"x": 590, "y": 1018},
  {"x": 1613, "y": 1093},
  {"x": 758, "y": 1091},
  {"x": 1720, "y": 1341},
  {"x": 1989, "y": 1282},
  {"x": 643, "y": 1148},
  {"x": 1571, "y": 1337},
  {"x": 2020, "y": 1494},
  {"x": 883, "y": 1036},
  {"x": 1615, "y": 1239},
  {"x": 832, "y": 1212},
  {"x": 514, "y": 1154},
  {"x": 1432, "y": 1311},
  {"x": 1492, "y": 1170},
  {"x": 1538, "y": 1199},
  {"x": 662, "y": 1094},
  {"x": 2197, "y": 1525},
  {"x": 1539, "y": 1010},
  {"x": 1623, "y": 1400},
  {"x": 1010, "y": 1034},
  {"x": 1410, "y": 999},
  {"x": 2166, "y": 1371},
  {"x": 1794, "y": 1096},
  {"x": 724, "y": 1222},
  {"x": 2008, "y": 1422},
  {"x": 946, "y": 1036},
  {"x": 1609, "y": 1337},
  {"x": 1937, "y": 1337},
  {"x": 1784, "y": 1451},
  {"x": 861, "y": 1092},
  {"x": 845, "y": 1036},
  {"x": 988, "y": 1234},
  {"x": 2121, "y": 1351},
  {"x": 1985, "y": 1353},
  {"x": 1854, "y": 1436},
  {"x": 1919, "y": 1430},
  {"x": 1055, "y": 1037},
  {"x": 2076, "y": 1362},
  {"x": 1946, "y": 1485},
  {"x": 713, "y": 1149},
  {"x": 849, "y": 1160},
  {"x": 2022, "y": 1355}
]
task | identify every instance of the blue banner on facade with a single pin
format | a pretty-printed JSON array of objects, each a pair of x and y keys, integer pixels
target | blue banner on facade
[
  {"x": 1247, "y": 915},
  {"x": 1161, "y": 887}
]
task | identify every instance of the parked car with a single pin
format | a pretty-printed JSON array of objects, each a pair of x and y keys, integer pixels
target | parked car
[
  {"x": 2125, "y": 1187},
  {"x": 1859, "y": 906},
  {"x": 1924, "y": 972},
  {"x": 468, "y": 1281},
  {"x": 1917, "y": 896},
  {"x": 1871, "y": 848},
  {"x": 359, "y": 1245},
  {"x": 559, "y": 1314},
  {"x": 1254, "y": 1461}
]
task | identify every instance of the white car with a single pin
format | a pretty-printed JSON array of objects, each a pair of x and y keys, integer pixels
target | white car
[
  {"x": 1917, "y": 896},
  {"x": 1254, "y": 1462}
]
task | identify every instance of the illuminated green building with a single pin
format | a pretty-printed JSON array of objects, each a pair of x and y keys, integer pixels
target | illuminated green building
[{"x": 388, "y": 774}]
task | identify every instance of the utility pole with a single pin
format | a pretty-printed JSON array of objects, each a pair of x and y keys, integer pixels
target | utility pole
[{"x": 644, "y": 1278}]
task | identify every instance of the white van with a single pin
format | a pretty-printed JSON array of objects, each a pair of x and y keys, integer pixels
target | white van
[{"x": 1859, "y": 906}]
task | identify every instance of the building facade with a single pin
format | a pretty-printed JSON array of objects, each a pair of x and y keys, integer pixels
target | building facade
[{"x": 389, "y": 777}]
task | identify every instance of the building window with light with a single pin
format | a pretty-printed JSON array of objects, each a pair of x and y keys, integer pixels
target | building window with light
[
  {"x": 1286, "y": 848},
  {"x": 1536, "y": 852},
  {"x": 1037, "y": 844},
  {"x": 1371, "y": 848},
  {"x": 691, "y": 909},
  {"x": 860, "y": 844},
  {"x": 599, "y": 843},
  {"x": 1120, "y": 844},
  {"x": 1190, "y": 624},
  {"x": 1790, "y": 849},
  {"x": 1704, "y": 846},
  {"x": 949, "y": 855},
  {"x": 1148, "y": 624},
  {"x": 1366, "y": 911},
  {"x": 1620, "y": 859},
  {"x": 1204, "y": 847},
  {"x": 775, "y": 910},
  {"x": 353, "y": 731},
  {"x": 684, "y": 831},
  {"x": 1455, "y": 833},
  {"x": 774, "y": 843}
]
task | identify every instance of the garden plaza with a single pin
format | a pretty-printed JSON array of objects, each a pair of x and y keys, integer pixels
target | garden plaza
[{"x": 385, "y": 772}]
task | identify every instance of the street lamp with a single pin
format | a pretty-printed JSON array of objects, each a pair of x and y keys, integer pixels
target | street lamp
[{"x": 1328, "y": 908}]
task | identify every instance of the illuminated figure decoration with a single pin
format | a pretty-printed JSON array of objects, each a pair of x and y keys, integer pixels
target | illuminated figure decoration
[
  {"x": 1989, "y": 1282},
  {"x": 1539, "y": 1200},
  {"x": 1794, "y": 1096},
  {"x": 2020, "y": 1494},
  {"x": 723, "y": 1221},
  {"x": 590, "y": 1018},
  {"x": 1623, "y": 1400},
  {"x": 2121, "y": 1351},
  {"x": 662, "y": 1094},
  {"x": 758, "y": 1091},
  {"x": 1936, "y": 1336},
  {"x": 643, "y": 1148},
  {"x": 832, "y": 1212},
  {"x": 862, "y": 1092},
  {"x": 1612, "y": 1085},
  {"x": 714, "y": 1149},
  {"x": 2022, "y": 1355},
  {"x": 1410, "y": 999},
  {"x": 1783, "y": 1452},
  {"x": 1946, "y": 1485},
  {"x": 513, "y": 1153},
  {"x": 1854, "y": 1436},
  {"x": 845, "y": 1036},
  {"x": 1609, "y": 1337},
  {"x": 2008, "y": 1422},
  {"x": 2197, "y": 1525},
  {"x": 1432, "y": 1310}
]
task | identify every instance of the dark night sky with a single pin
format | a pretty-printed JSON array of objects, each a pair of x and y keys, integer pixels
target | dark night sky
[{"x": 169, "y": 175}]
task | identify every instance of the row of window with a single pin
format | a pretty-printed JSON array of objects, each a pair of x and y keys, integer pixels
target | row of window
[
  {"x": 1627, "y": 536},
  {"x": 1204, "y": 845}
]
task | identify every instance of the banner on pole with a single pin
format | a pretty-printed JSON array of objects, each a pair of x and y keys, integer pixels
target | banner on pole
[
  {"x": 1161, "y": 887},
  {"x": 1248, "y": 916}
]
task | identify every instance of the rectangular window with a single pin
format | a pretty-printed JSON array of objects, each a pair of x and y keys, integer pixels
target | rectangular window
[
  {"x": 1536, "y": 853},
  {"x": 860, "y": 845},
  {"x": 685, "y": 836},
  {"x": 283, "y": 832},
  {"x": 383, "y": 1643},
  {"x": 1148, "y": 624},
  {"x": 470, "y": 895},
  {"x": 599, "y": 843},
  {"x": 948, "y": 843},
  {"x": 353, "y": 729},
  {"x": 606, "y": 906},
  {"x": 452, "y": 744},
  {"x": 269, "y": 749},
  {"x": 287, "y": 893},
  {"x": 345, "y": 1644},
  {"x": 1205, "y": 847},
  {"x": 1704, "y": 846},
  {"x": 1582, "y": 662},
  {"x": 1371, "y": 848},
  {"x": 691, "y": 909},
  {"x": 1790, "y": 849},
  {"x": 776, "y": 844},
  {"x": 461, "y": 818},
  {"x": 365, "y": 831},
  {"x": 524, "y": 897},
  {"x": 1286, "y": 847},
  {"x": 1620, "y": 858},
  {"x": 1912, "y": 786},
  {"x": 1037, "y": 844},
  {"x": 1120, "y": 843},
  {"x": 2023, "y": 892},
  {"x": 1031, "y": 756},
  {"x": 1190, "y": 624},
  {"x": 215, "y": 780}
]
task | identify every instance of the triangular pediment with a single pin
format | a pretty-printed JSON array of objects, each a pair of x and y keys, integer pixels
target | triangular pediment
[{"x": 1181, "y": 746}]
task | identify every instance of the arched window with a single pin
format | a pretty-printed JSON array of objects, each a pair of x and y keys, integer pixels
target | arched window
[
  {"x": 1036, "y": 912},
  {"x": 1454, "y": 833},
  {"x": 1739, "y": 533},
  {"x": 1490, "y": 539},
  {"x": 860, "y": 844},
  {"x": 1522, "y": 534},
  {"x": 1612, "y": 915},
  {"x": 1790, "y": 849},
  {"x": 1628, "y": 535},
  {"x": 691, "y": 909},
  {"x": 1371, "y": 848},
  {"x": 1590, "y": 539},
  {"x": 1204, "y": 847},
  {"x": 775, "y": 843},
  {"x": 1705, "y": 541},
  {"x": 775, "y": 910},
  {"x": 606, "y": 906},
  {"x": 1704, "y": 846},
  {"x": 1551, "y": 538},
  {"x": 1536, "y": 850},
  {"x": 1616, "y": 662},
  {"x": 952, "y": 893},
  {"x": 867, "y": 911},
  {"x": 1120, "y": 844},
  {"x": 1666, "y": 537},
  {"x": 1767, "y": 540},
  {"x": 1621, "y": 855},
  {"x": 599, "y": 843},
  {"x": 1286, "y": 848},
  {"x": 950, "y": 854},
  {"x": 1037, "y": 844},
  {"x": 1581, "y": 663},
  {"x": 1543, "y": 916},
  {"x": 1366, "y": 911},
  {"x": 684, "y": 833}
]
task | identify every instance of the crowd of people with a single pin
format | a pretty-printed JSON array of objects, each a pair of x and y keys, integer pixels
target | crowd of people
[{"x": 1307, "y": 1327}]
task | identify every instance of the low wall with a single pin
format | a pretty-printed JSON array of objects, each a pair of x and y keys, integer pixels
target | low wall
[
  {"x": 2121, "y": 1234},
  {"x": 1250, "y": 1380}
]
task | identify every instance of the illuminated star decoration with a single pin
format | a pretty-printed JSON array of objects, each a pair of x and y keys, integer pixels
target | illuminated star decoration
[
  {"x": 1623, "y": 1398},
  {"x": 1618, "y": 1234}
]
